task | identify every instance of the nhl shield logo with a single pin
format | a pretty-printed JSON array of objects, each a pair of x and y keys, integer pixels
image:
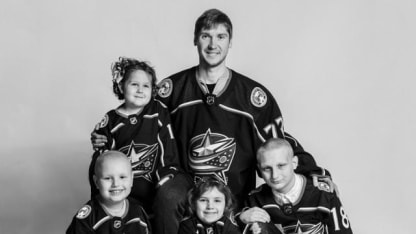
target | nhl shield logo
[
  {"x": 117, "y": 224},
  {"x": 211, "y": 154}
]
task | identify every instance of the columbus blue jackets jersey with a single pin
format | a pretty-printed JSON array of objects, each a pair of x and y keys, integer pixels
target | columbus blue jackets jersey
[
  {"x": 316, "y": 211},
  {"x": 218, "y": 135},
  {"x": 92, "y": 218},
  {"x": 194, "y": 226},
  {"x": 147, "y": 139}
]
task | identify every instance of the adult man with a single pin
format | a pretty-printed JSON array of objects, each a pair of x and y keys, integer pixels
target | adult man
[
  {"x": 219, "y": 119},
  {"x": 219, "y": 116},
  {"x": 289, "y": 201}
]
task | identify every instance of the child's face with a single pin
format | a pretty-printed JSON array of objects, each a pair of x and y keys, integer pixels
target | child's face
[
  {"x": 210, "y": 206},
  {"x": 277, "y": 169},
  {"x": 114, "y": 180},
  {"x": 137, "y": 90}
]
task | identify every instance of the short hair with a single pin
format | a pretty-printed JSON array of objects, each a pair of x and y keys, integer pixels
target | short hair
[
  {"x": 122, "y": 69},
  {"x": 211, "y": 18},
  {"x": 113, "y": 154},
  {"x": 207, "y": 184},
  {"x": 273, "y": 143}
]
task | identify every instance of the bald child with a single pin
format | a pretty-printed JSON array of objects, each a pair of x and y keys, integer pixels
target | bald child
[
  {"x": 289, "y": 202},
  {"x": 111, "y": 211}
]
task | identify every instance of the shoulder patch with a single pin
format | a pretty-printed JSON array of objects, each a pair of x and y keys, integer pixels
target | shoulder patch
[
  {"x": 258, "y": 97},
  {"x": 165, "y": 88},
  {"x": 103, "y": 123},
  {"x": 84, "y": 212},
  {"x": 324, "y": 186}
]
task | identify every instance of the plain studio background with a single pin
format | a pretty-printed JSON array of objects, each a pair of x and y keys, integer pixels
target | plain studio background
[{"x": 341, "y": 71}]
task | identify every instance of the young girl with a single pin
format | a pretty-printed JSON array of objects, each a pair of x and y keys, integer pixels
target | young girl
[
  {"x": 140, "y": 128},
  {"x": 210, "y": 204}
]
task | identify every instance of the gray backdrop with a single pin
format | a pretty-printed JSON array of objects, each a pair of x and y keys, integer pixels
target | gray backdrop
[{"x": 341, "y": 71}]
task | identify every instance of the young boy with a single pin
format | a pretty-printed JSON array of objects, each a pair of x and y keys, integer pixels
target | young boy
[
  {"x": 111, "y": 211},
  {"x": 289, "y": 201}
]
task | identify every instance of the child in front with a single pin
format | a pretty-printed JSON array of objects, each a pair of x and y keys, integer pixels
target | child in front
[
  {"x": 211, "y": 206},
  {"x": 111, "y": 211},
  {"x": 289, "y": 202}
]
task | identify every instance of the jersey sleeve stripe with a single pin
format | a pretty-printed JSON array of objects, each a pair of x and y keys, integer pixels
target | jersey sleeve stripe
[
  {"x": 135, "y": 220},
  {"x": 162, "y": 152},
  {"x": 309, "y": 209},
  {"x": 99, "y": 223},
  {"x": 151, "y": 116},
  {"x": 245, "y": 114},
  {"x": 186, "y": 104}
]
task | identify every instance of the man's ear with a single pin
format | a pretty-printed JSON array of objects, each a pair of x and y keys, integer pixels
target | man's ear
[{"x": 295, "y": 162}]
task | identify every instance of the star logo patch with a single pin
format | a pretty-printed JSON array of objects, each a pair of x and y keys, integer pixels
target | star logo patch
[
  {"x": 305, "y": 228},
  {"x": 211, "y": 154},
  {"x": 143, "y": 159}
]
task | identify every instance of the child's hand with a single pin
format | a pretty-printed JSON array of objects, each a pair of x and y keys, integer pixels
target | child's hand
[
  {"x": 255, "y": 228},
  {"x": 254, "y": 214},
  {"x": 98, "y": 141}
]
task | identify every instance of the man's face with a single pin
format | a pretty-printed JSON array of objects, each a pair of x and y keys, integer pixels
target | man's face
[
  {"x": 213, "y": 45},
  {"x": 277, "y": 169}
]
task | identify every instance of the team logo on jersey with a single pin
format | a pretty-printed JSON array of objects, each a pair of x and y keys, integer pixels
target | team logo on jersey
[
  {"x": 103, "y": 123},
  {"x": 165, "y": 88},
  {"x": 318, "y": 228},
  {"x": 324, "y": 186},
  {"x": 84, "y": 212},
  {"x": 211, "y": 154},
  {"x": 143, "y": 158},
  {"x": 258, "y": 97}
]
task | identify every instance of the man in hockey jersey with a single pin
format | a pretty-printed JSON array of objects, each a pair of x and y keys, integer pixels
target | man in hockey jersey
[
  {"x": 219, "y": 119},
  {"x": 289, "y": 201}
]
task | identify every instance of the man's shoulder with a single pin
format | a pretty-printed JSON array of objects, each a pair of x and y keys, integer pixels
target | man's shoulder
[
  {"x": 259, "y": 95},
  {"x": 243, "y": 79},
  {"x": 181, "y": 74},
  {"x": 175, "y": 82}
]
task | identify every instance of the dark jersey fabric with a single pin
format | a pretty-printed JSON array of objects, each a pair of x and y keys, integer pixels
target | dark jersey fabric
[{"x": 218, "y": 136}]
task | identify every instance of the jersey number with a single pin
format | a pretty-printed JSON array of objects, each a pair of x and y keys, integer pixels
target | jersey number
[
  {"x": 344, "y": 219},
  {"x": 274, "y": 127}
]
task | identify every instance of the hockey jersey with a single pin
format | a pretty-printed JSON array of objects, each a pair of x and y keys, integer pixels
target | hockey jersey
[
  {"x": 92, "y": 218},
  {"x": 315, "y": 211},
  {"x": 218, "y": 135},
  {"x": 194, "y": 226},
  {"x": 148, "y": 141}
]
